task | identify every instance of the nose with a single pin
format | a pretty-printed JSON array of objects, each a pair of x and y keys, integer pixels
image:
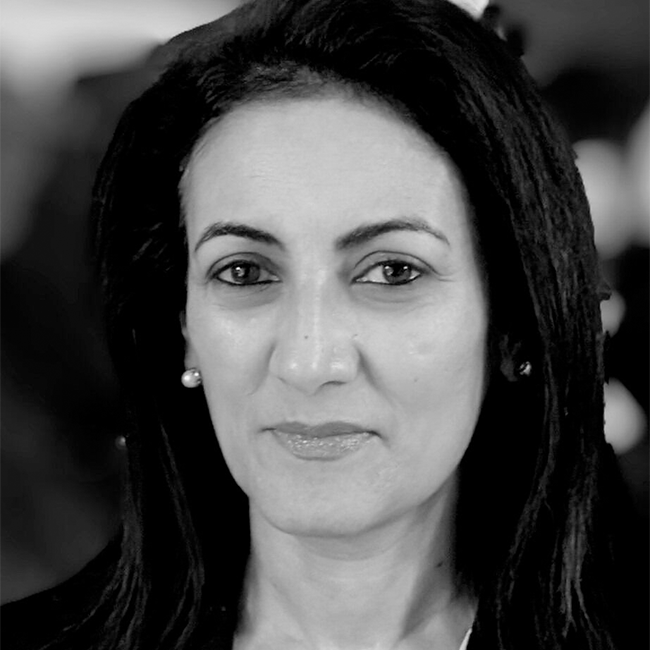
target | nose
[{"x": 315, "y": 344}]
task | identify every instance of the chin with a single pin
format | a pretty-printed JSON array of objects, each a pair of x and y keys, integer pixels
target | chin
[
  {"x": 331, "y": 527},
  {"x": 325, "y": 520}
]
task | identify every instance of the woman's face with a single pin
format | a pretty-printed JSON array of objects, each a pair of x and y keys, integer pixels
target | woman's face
[{"x": 335, "y": 310}]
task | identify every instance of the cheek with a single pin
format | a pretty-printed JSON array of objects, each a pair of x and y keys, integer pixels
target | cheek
[
  {"x": 438, "y": 387},
  {"x": 227, "y": 348},
  {"x": 452, "y": 364},
  {"x": 229, "y": 351},
  {"x": 434, "y": 375},
  {"x": 434, "y": 358}
]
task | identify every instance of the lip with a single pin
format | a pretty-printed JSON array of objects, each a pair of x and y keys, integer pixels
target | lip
[
  {"x": 321, "y": 442},
  {"x": 324, "y": 430}
]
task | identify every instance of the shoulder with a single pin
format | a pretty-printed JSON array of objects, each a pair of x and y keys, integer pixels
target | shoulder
[{"x": 33, "y": 621}]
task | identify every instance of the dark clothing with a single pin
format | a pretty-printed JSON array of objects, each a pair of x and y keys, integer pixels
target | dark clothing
[{"x": 32, "y": 622}]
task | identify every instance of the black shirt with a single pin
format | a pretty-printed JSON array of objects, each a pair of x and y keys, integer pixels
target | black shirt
[{"x": 34, "y": 621}]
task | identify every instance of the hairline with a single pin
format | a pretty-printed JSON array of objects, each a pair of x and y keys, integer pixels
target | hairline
[{"x": 310, "y": 86}]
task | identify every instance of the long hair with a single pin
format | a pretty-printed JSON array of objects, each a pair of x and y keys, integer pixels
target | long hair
[{"x": 533, "y": 541}]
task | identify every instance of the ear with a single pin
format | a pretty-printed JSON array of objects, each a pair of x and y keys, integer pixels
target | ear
[
  {"x": 190, "y": 356},
  {"x": 511, "y": 357}
]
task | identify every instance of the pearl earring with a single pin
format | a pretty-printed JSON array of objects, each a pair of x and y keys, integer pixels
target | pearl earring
[
  {"x": 514, "y": 371},
  {"x": 525, "y": 369},
  {"x": 191, "y": 378}
]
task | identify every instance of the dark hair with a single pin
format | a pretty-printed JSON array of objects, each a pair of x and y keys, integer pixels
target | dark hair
[{"x": 533, "y": 541}]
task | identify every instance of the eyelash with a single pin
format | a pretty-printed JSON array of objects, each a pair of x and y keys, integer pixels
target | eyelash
[
  {"x": 243, "y": 264},
  {"x": 416, "y": 272}
]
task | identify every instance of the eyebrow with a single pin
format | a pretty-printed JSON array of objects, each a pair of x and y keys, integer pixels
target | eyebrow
[
  {"x": 223, "y": 228},
  {"x": 363, "y": 234},
  {"x": 357, "y": 237}
]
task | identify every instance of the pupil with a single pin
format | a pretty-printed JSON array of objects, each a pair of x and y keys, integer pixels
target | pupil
[
  {"x": 245, "y": 273},
  {"x": 397, "y": 272}
]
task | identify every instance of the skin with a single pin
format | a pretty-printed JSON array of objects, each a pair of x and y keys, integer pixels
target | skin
[{"x": 388, "y": 333}]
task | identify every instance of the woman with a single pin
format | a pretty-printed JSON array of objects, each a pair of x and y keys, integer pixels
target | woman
[{"x": 355, "y": 233}]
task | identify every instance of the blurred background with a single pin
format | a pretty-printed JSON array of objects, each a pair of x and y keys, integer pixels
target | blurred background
[{"x": 68, "y": 68}]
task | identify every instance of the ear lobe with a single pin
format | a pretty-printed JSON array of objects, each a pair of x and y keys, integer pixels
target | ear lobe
[
  {"x": 513, "y": 364},
  {"x": 508, "y": 368}
]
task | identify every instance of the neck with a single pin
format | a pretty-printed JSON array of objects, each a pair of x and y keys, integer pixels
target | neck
[{"x": 391, "y": 587}]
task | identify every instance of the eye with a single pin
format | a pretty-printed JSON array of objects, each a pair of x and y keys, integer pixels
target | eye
[
  {"x": 243, "y": 273},
  {"x": 390, "y": 272}
]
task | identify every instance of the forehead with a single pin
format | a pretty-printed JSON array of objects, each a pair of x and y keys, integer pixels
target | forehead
[{"x": 323, "y": 159}]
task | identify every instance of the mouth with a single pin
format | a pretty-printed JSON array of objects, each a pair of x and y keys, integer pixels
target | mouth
[{"x": 327, "y": 441}]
